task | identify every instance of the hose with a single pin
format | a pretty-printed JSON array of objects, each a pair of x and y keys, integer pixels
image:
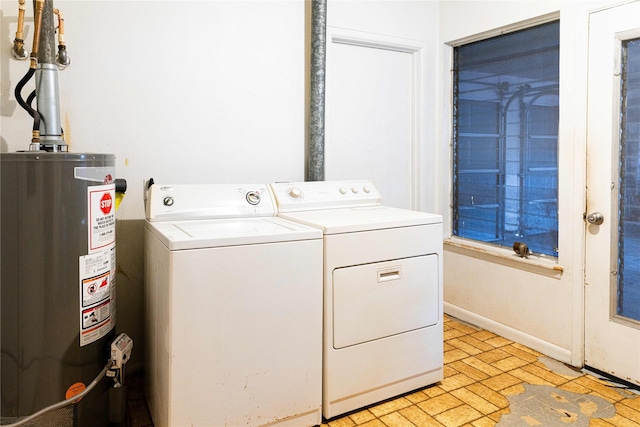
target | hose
[
  {"x": 67, "y": 402},
  {"x": 30, "y": 99},
  {"x": 27, "y": 105}
]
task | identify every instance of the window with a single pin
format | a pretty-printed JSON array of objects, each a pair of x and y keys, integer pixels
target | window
[
  {"x": 505, "y": 139},
  {"x": 628, "y": 292}
]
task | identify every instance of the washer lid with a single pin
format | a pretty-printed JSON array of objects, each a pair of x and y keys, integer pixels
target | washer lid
[
  {"x": 180, "y": 235},
  {"x": 348, "y": 220}
]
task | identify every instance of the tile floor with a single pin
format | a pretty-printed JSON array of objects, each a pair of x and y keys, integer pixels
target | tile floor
[{"x": 482, "y": 372}]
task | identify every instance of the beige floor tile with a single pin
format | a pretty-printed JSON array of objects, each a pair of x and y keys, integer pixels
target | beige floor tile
[
  {"x": 466, "y": 329},
  {"x": 453, "y": 355},
  {"x": 417, "y": 397},
  {"x": 468, "y": 370},
  {"x": 515, "y": 389},
  {"x": 464, "y": 346},
  {"x": 498, "y": 341},
  {"x": 434, "y": 391},
  {"x": 458, "y": 416},
  {"x": 484, "y": 422},
  {"x": 527, "y": 349},
  {"x": 517, "y": 350},
  {"x": 601, "y": 389},
  {"x": 362, "y": 417},
  {"x": 455, "y": 382},
  {"x": 475, "y": 401},
  {"x": 449, "y": 370},
  {"x": 633, "y": 402},
  {"x": 471, "y": 340},
  {"x": 627, "y": 412},
  {"x": 574, "y": 387},
  {"x": 373, "y": 423},
  {"x": 452, "y": 333},
  {"x": 539, "y": 370},
  {"x": 484, "y": 335},
  {"x": 498, "y": 414},
  {"x": 493, "y": 356},
  {"x": 419, "y": 418},
  {"x": 528, "y": 377},
  {"x": 489, "y": 395},
  {"x": 599, "y": 422},
  {"x": 482, "y": 366},
  {"x": 509, "y": 363},
  {"x": 501, "y": 382},
  {"x": 390, "y": 406},
  {"x": 395, "y": 419},
  {"x": 341, "y": 422},
  {"x": 439, "y": 404},
  {"x": 448, "y": 346},
  {"x": 620, "y": 421}
]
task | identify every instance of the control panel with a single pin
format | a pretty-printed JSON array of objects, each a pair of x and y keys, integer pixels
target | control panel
[
  {"x": 312, "y": 195},
  {"x": 208, "y": 201}
]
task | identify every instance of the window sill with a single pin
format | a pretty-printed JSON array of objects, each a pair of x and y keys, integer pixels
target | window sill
[{"x": 503, "y": 256}]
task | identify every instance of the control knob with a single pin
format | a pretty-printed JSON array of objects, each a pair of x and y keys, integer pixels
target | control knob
[
  {"x": 253, "y": 197},
  {"x": 295, "y": 193}
]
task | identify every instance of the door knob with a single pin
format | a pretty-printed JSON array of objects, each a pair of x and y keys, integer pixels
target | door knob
[{"x": 595, "y": 218}]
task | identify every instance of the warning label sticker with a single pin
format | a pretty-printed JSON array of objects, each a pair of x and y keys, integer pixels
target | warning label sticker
[
  {"x": 97, "y": 295},
  {"x": 102, "y": 216}
]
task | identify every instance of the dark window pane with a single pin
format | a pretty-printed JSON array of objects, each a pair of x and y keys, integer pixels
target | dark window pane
[
  {"x": 628, "y": 301},
  {"x": 506, "y": 139}
]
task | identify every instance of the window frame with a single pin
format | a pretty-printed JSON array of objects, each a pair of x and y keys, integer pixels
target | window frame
[{"x": 544, "y": 264}]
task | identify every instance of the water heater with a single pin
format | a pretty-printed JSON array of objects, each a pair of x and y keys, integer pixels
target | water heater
[{"x": 57, "y": 284}]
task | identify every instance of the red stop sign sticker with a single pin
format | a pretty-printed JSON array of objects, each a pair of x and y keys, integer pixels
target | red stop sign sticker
[{"x": 105, "y": 203}]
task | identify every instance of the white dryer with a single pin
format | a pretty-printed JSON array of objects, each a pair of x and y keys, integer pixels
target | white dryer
[
  {"x": 233, "y": 309},
  {"x": 383, "y": 330}
]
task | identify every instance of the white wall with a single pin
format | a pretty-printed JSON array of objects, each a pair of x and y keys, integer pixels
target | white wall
[
  {"x": 180, "y": 91},
  {"x": 403, "y": 23},
  {"x": 538, "y": 302},
  {"x": 184, "y": 92},
  {"x": 190, "y": 92}
]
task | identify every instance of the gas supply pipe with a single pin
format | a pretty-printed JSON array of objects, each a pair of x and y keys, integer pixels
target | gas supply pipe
[{"x": 62, "y": 59}]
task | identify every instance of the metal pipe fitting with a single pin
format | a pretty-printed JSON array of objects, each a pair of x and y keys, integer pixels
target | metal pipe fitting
[
  {"x": 18, "y": 51},
  {"x": 62, "y": 58}
]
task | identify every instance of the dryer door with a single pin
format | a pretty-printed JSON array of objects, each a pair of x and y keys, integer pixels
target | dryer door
[{"x": 374, "y": 301}]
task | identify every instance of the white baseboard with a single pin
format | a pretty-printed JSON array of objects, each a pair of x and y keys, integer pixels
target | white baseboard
[{"x": 544, "y": 347}]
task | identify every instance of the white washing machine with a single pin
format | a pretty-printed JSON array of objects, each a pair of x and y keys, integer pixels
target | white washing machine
[
  {"x": 233, "y": 309},
  {"x": 383, "y": 330}
]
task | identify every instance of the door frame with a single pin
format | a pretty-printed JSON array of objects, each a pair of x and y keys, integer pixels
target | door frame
[
  {"x": 418, "y": 51},
  {"x": 601, "y": 321}
]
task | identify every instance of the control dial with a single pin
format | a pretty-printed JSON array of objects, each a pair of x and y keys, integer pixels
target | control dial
[{"x": 253, "y": 197}]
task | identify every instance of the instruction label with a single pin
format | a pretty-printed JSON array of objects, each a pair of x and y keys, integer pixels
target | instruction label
[
  {"x": 97, "y": 294},
  {"x": 102, "y": 216}
]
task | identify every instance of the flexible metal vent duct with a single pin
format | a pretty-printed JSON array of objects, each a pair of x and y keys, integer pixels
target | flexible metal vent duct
[{"x": 315, "y": 149}]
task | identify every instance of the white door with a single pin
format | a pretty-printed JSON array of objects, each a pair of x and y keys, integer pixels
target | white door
[
  {"x": 612, "y": 265},
  {"x": 373, "y": 100}
]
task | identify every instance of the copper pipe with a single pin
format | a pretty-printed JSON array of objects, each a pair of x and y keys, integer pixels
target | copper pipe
[
  {"x": 60, "y": 26},
  {"x": 18, "y": 43},
  {"x": 38, "y": 8},
  {"x": 62, "y": 59}
]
